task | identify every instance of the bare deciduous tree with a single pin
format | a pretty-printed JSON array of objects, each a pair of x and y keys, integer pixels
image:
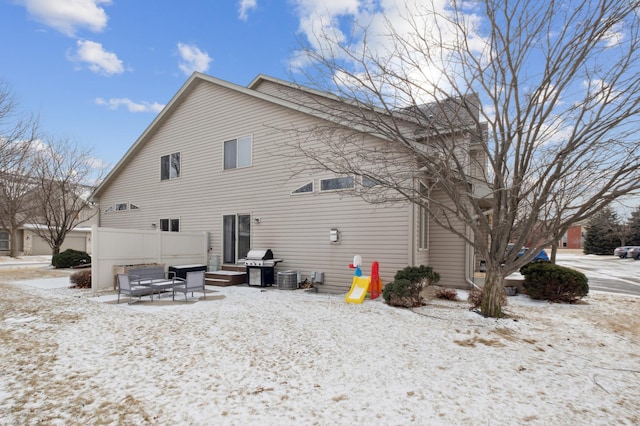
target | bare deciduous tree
[
  {"x": 17, "y": 136},
  {"x": 65, "y": 173},
  {"x": 518, "y": 118}
]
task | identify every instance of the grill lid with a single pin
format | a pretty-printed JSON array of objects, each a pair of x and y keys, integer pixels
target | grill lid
[{"x": 259, "y": 254}]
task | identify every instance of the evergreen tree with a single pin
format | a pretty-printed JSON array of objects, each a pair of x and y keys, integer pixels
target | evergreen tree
[
  {"x": 602, "y": 233},
  {"x": 633, "y": 238}
]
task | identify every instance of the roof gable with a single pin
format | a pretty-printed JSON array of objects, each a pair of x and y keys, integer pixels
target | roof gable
[{"x": 186, "y": 89}]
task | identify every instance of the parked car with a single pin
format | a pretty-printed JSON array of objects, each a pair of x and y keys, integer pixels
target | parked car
[
  {"x": 634, "y": 252},
  {"x": 621, "y": 252},
  {"x": 542, "y": 256}
]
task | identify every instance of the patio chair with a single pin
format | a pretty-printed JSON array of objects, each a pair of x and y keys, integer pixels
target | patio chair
[
  {"x": 193, "y": 282},
  {"x": 125, "y": 287}
]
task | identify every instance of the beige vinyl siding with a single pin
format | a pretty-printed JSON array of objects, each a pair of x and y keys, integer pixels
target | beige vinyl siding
[
  {"x": 295, "y": 227},
  {"x": 447, "y": 252}
]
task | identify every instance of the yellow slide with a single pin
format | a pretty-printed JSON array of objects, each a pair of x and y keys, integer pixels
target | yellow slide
[{"x": 359, "y": 289}]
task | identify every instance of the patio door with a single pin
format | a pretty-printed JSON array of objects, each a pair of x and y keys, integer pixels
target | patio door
[{"x": 236, "y": 237}]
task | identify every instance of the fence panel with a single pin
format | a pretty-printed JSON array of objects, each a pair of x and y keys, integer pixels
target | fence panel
[{"x": 111, "y": 246}]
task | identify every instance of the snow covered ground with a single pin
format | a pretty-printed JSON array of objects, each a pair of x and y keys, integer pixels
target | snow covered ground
[{"x": 268, "y": 356}]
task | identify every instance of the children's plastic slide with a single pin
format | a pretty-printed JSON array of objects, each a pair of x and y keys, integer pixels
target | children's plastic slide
[{"x": 359, "y": 288}]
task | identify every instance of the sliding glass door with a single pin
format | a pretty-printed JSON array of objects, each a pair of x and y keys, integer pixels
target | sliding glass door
[{"x": 236, "y": 237}]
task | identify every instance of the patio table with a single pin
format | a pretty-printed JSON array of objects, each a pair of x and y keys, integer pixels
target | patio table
[{"x": 157, "y": 284}]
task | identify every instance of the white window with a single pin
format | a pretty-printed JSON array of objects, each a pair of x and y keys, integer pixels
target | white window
[
  {"x": 334, "y": 184},
  {"x": 423, "y": 224},
  {"x": 4, "y": 240},
  {"x": 121, "y": 207},
  {"x": 368, "y": 182},
  {"x": 172, "y": 225},
  {"x": 170, "y": 166},
  {"x": 133, "y": 207},
  {"x": 237, "y": 152},
  {"x": 109, "y": 209},
  {"x": 305, "y": 189}
]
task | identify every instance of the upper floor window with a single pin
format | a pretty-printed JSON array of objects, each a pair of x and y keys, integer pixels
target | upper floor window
[
  {"x": 170, "y": 166},
  {"x": 304, "y": 189},
  {"x": 347, "y": 182},
  {"x": 369, "y": 182},
  {"x": 237, "y": 152}
]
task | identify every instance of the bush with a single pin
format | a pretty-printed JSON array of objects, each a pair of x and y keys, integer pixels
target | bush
[
  {"x": 547, "y": 281},
  {"x": 70, "y": 258},
  {"x": 447, "y": 293},
  {"x": 475, "y": 297},
  {"x": 81, "y": 279},
  {"x": 408, "y": 284}
]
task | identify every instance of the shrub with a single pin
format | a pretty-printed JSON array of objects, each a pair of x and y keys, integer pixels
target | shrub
[
  {"x": 547, "y": 281},
  {"x": 475, "y": 297},
  {"x": 81, "y": 279},
  {"x": 407, "y": 285},
  {"x": 70, "y": 258},
  {"x": 446, "y": 293}
]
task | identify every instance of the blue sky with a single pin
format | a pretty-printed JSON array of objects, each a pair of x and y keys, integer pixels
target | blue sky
[{"x": 98, "y": 71}]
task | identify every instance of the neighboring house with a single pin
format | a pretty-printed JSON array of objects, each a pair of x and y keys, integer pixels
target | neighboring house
[
  {"x": 213, "y": 160},
  {"x": 29, "y": 243},
  {"x": 574, "y": 237}
]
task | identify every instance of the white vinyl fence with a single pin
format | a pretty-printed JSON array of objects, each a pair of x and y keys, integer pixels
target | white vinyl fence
[{"x": 111, "y": 247}]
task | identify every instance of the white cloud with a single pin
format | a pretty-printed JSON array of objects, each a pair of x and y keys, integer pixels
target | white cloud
[
  {"x": 100, "y": 61},
  {"x": 613, "y": 37},
  {"x": 245, "y": 7},
  {"x": 131, "y": 106},
  {"x": 386, "y": 30},
  {"x": 192, "y": 59},
  {"x": 67, "y": 16}
]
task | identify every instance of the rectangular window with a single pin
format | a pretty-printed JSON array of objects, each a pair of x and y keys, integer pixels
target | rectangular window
[
  {"x": 337, "y": 183},
  {"x": 121, "y": 206},
  {"x": 170, "y": 166},
  {"x": 423, "y": 224},
  {"x": 237, "y": 152},
  {"x": 4, "y": 240},
  {"x": 170, "y": 225}
]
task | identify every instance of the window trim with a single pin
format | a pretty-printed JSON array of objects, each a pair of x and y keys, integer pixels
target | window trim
[
  {"x": 337, "y": 179},
  {"x": 7, "y": 240},
  {"x": 298, "y": 191},
  {"x": 170, "y": 222},
  {"x": 423, "y": 221},
  {"x": 171, "y": 162},
  {"x": 238, "y": 152}
]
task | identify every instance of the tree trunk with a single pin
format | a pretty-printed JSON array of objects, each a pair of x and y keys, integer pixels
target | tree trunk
[
  {"x": 13, "y": 242},
  {"x": 554, "y": 251},
  {"x": 491, "y": 305}
]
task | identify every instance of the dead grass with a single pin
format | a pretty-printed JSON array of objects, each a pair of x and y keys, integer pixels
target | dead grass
[{"x": 31, "y": 273}]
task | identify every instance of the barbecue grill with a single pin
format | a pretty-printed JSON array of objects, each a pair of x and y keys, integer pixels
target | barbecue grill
[{"x": 260, "y": 267}]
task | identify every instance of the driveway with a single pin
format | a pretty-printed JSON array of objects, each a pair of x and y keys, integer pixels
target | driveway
[{"x": 605, "y": 273}]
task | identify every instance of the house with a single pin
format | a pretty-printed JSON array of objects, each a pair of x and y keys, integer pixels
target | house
[
  {"x": 31, "y": 244},
  {"x": 574, "y": 237},
  {"x": 214, "y": 160},
  {"x": 27, "y": 242}
]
